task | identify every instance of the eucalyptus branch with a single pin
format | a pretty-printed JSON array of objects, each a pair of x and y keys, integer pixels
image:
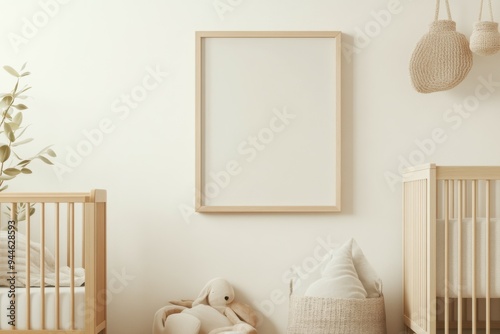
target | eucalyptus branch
[
  {"x": 12, "y": 100},
  {"x": 11, "y": 164}
]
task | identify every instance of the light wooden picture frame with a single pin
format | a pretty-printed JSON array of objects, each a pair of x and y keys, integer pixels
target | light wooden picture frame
[{"x": 268, "y": 121}]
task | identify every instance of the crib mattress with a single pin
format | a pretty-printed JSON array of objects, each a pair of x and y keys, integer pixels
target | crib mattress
[
  {"x": 50, "y": 308},
  {"x": 464, "y": 284}
]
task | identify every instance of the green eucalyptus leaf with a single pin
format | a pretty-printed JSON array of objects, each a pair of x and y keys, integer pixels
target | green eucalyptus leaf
[
  {"x": 7, "y": 99},
  {"x": 51, "y": 153},
  {"x": 24, "y": 66},
  {"x": 4, "y": 187},
  {"x": 21, "y": 215},
  {"x": 7, "y": 114},
  {"x": 25, "y": 74},
  {"x": 18, "y": 143},
  {"x": 8, "y": 132},
  {"x": 6, "y": 177},
  {"x": 44, "y": 159},
  {"x": 14, "y": 126},
  {"x": 12, "y": 171},
  {"x": 11, "y": 71},
  {"x": 20, "y": 106},
  {"x": 43, "y": 150},
  {"x": 4, "y": 153},
  {"x": 26, "y": 171},
  {"x": 18, "y": 119},
  {"x": 23, "y": 163}
]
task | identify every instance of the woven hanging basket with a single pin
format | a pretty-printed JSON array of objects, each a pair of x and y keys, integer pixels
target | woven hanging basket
[
  {"x": 442, "y": 58},
  {"x": 485, "y": 38},
  {"x": 314, "y": 315}
]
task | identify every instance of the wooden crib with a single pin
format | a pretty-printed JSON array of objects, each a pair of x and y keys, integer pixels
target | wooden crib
[
  {"x": 53, "y": 263},
  {"x": 451, "y": 249}
]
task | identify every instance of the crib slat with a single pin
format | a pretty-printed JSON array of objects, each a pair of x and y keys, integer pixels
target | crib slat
[
  {"x": 83, "y": 238},
  {"x": 72, "y": 263},
  {"x": 90, "y": 271},
  {"x": 473, "y": 273},
  {"x": 68, "y": 233},
  {"x": 42, "y": 262},
  {"x": 12, "y": 269},
  {"x": 459, "y": 216},
  {"x": 452, "y": 199},
  {"x": 57, "y": 265},
  {"x": 419, "y": 233},
  {"x": 28, "y": 268},
  {"x": 446, "y": 256},
  {"x": 418, "y": 287},
  {"x": 488, "y": 257},
  {"x": 464, "y": 199},
  {"x": 430, "y": 193}
]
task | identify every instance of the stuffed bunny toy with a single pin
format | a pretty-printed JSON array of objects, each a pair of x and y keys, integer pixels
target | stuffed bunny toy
[{"x": 214, "y": 311}]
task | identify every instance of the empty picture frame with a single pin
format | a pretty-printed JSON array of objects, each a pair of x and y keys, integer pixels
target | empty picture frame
[{"x": 268, "y": 121}]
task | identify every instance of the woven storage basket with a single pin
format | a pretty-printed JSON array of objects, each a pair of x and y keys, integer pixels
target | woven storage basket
[
  {"x": 442, "y": 58},
  {"x": 313, "y": 315},
  {"x": 485, "y": 38}
]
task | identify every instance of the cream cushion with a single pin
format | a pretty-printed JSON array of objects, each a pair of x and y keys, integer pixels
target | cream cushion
[
  {"x": 182, "y": 323},
  {"x": 339, "y": 277},
  {"x": 367, "y": 275},
  {"x": 209, "y": 317}
]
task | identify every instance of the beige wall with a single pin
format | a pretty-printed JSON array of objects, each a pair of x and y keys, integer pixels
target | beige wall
[{"x": 113, "y": 90}]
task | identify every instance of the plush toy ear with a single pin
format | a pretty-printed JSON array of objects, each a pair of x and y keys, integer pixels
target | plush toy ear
[
  {"x": 245, "y": 313},
  {"x": 203, "y": 295},
  {"x": 183, "y": 302},
  {"x": 217, "y": 293}
]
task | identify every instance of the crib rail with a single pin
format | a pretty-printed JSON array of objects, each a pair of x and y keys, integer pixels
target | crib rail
[
  {"x": 467, "y": 173},
  {"x": 69, "y": 232},
  {"x": 94, "y": 196},
  {"x": 461, "y": 204}
]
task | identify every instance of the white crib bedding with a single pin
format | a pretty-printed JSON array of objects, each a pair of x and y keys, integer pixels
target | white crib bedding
[
  {"x": 465, "y": 284},
  {"x": 50, "y": 308},
  {"x": 19, "y": 259}
]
